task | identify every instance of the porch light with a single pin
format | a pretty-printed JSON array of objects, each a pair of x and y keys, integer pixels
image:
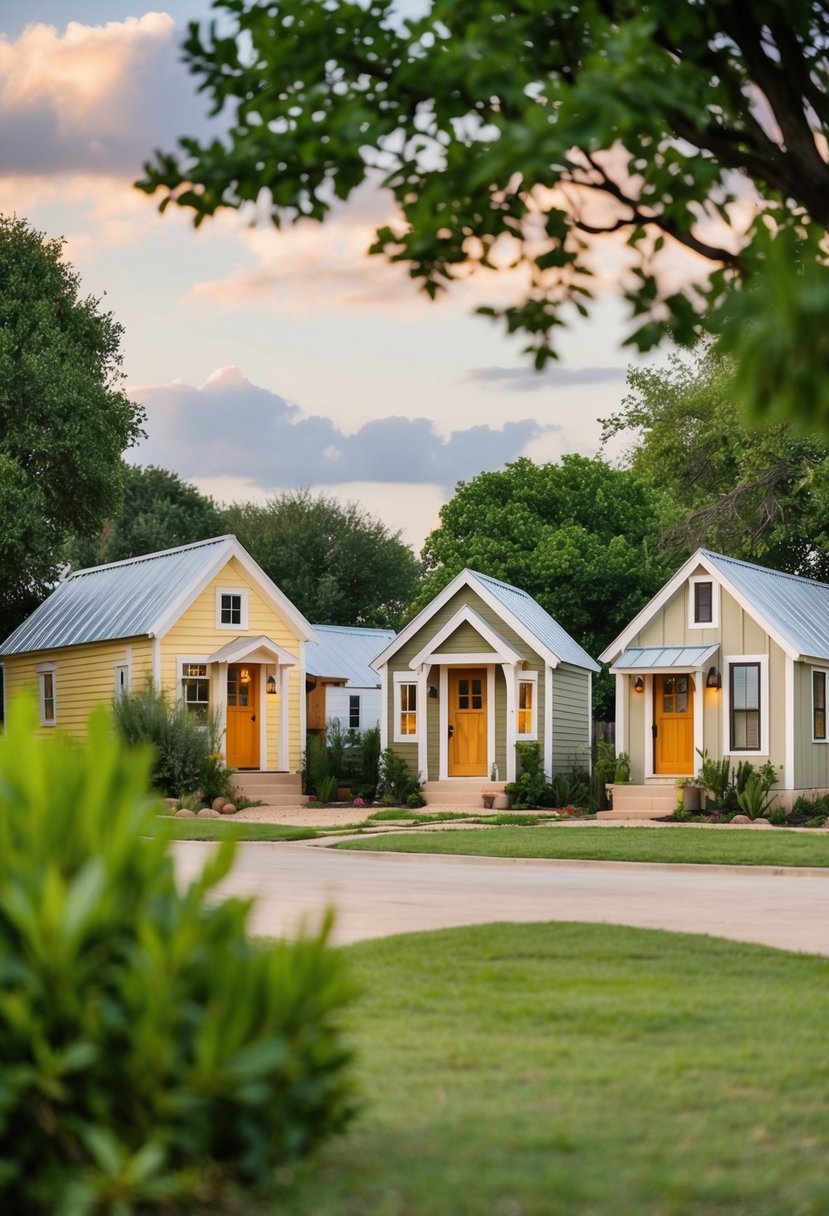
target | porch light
[
  {"x": 433, "y": 692},
  {"x": 714, "y": 679},
  {"x": 244, "y": 675},
  {"x": 638, "y": 684},
  {"x": 270, "y": 685}
]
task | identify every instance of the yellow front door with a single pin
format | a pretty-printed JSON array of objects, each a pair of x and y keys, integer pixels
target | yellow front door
[
  {"x": 673, "y": 718},
  {"x": 243, "y": 716},
  {"x": 467, "y": 722}
]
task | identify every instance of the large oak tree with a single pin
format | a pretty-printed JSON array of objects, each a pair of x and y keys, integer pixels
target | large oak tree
[{"x": 527, "y": 131}]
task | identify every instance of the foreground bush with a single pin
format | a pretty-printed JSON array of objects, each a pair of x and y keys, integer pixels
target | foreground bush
[{"x": 152, "y": 1056}]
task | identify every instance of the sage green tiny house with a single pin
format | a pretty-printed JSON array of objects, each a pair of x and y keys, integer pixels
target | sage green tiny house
[
  {"x": 731, "y": 658},
  {"x": 478, "y": 670}
]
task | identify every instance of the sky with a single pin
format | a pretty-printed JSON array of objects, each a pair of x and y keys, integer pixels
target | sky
[{"x": 268, "y": 361}]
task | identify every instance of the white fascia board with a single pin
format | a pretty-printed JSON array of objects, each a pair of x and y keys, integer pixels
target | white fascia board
[
  {"x": 466, "y": 615},
  {"x": 757, "y": 616},
  {"x": 183, "y": 601},
  {"x": 515, "y": 623},
  {"x": 417, "y": 622},
  {"x": 242, "y": 648}
]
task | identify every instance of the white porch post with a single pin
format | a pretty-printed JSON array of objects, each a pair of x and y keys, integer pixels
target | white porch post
[
  {"x": 422, "y": 726},
  {"x": 221, "y": 703},
  {"x": 788, "y": 710},
  {"x": 262, "y": 711},
  {"x": 443, "y": 720},
  {"x": 621, "y": 711},
  {"x": 700, "y": 678},
  {"x": 548, "y": 722},
  {"x": 510, "y": 671},
  {"x": 284, "y": 674}
]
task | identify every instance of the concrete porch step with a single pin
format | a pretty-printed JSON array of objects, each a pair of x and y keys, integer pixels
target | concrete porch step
[
  {"x": 649, "y": 801},
  {"x": 462, "y": 792},
  {"x": 271, "y": 789}
]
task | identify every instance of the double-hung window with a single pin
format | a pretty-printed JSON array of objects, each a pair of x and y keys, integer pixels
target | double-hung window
[
  {"x": 526, "y": 708},
  {"x": 745, "y": 694},
  {"x": 703, "y": 603},
  {"x": 47, "y": 695},
  {"x": 405, "y": 711},
  {"x": 195, "y": 689},
  {"x": 818, "y": 705},
  {"x": 354, "y": 713}
]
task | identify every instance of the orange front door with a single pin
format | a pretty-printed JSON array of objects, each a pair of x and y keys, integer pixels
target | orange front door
[
  {"x": 673, "y": 717},
  {"x": 467, "y": 722},
  {"x": 243, "y": 716}
]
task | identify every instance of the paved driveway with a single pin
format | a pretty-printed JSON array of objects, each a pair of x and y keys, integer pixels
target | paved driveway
[{"x": 378, "y": 894}]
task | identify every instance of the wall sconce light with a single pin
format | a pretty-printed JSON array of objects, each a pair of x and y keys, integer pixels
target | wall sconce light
[
  {"x": 270, "y": 685},
  {"x": 244, "y": 675},
  {"x": 638, "y": 684},
  {"x": 714, "y": 679},
  {"x": 433, "y": 692}
]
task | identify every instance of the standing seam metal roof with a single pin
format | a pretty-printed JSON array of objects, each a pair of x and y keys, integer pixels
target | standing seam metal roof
[
  {"x": 796, "y": 607},
  {"x": 120, "y": 600},
  {"x": 540, "y": 623},
  {"x": 345, "y": 652}
]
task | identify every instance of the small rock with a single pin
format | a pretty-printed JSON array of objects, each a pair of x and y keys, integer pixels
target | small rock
[
  {"x": 173, "y": 803},
  {"x": 185, "y": 814},
  {"x": 761, "y": 822},
  {"x": 218, "y": 803},
  {"x": 208, "y": 813},
  {"x": 741, "y": 819},
  {"x": 227, "y": 808}
]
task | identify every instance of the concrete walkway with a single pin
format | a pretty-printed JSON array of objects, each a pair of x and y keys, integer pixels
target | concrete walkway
[{"x": 377, "y": 894}]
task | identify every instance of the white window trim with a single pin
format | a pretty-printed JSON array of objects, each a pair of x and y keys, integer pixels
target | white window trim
[
  {"x": 715, "y": 602},
  {"x": 126, "y": 665},
  {"x": 526, "y": 677},
  {"x": 45, "y": 669},
  {"x": 242, "y": 592},
  {"x": 824, "y": 671},
  {"x": 401, "y": 678},
  {"x": 731, "y": 661}
]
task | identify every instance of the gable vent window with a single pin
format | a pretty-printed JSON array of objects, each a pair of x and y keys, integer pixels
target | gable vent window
[
  {"x": 231, "y": 610},
  {"x": 703, "y": 603}
]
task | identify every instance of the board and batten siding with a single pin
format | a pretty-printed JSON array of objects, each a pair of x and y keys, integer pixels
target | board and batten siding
[
  {"x": 571, "y": 718},
  {"x": 195, "y": 634},
  {"x": 84, "y": 677},
  {"x": 811, "y": 760}
]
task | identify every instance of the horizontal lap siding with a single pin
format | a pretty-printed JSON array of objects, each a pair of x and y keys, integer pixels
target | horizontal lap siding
[
  {"x": 811, "y": 760},
  {"x": 571, "y": 718},
  {"x": 195, "y": 634},
  {"x": 84, "y": 677}
]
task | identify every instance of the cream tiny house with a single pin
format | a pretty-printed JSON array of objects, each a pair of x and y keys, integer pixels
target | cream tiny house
[
  {"x": 481, "y": 668},
  {"x": 731, "y": 658},
  {"x": 203, "y": 621}
]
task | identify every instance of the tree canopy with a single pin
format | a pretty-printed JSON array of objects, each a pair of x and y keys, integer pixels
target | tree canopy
[
  {"x": 64, "y": 418},
  {"x": 338, "y": 564},
  {"x": 531, "y": 133},
  {"x": 760, "y": 493},
  {"x": 579, "y": 536},
  {"x": 159, "y": 511}
]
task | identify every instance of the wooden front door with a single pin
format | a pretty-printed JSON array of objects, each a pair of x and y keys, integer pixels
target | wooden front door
[
  {"x": 673, "y": 719},
  {"x": 467, "y": 722},
  {"x": 243, "y": 715}
]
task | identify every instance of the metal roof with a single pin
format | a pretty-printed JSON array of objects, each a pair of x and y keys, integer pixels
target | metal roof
[
  {"x": 120, "y": 600},
  {"x": 345, "y": 652},
  {"x": 797, "y": 608},
  {"x": 540, "y": 623},
  {"x": 660, "y": 658}
]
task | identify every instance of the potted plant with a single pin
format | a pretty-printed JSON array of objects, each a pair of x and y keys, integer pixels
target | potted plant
[
  {"x": 622, "y": 773},
  {"x": 690, "y": 793}
]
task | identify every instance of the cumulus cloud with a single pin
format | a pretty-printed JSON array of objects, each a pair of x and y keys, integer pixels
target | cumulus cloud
[
  {"x": 94, "y": 99},
  {"x": 527, "y": 380},
  {"x": 230, "y": 428}
]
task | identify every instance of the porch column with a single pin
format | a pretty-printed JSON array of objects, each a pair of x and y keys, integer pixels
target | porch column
[
  {"x": 510, "y": 673},
  {"x": 422, "y": 724},
  {"x": 283, "y": 676},
  {"x": 700, "y": 678}
]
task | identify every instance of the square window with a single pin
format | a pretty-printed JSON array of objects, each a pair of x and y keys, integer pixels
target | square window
[{"x": 231, "y": 609}]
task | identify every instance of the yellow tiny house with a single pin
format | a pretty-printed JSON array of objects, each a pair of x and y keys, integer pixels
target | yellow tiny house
[{"x": 203, "y": 620}]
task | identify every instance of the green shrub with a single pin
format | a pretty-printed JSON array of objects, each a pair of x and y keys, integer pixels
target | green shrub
[
  {"x": 216, "y": 779},
  {"x": 777, "y": 816},
  {"x": 604, "y": 770},
  {"x": 317, "y": 765},
  {"x": 528, "y": 788},
  {"x": 326, "y": 789},
  {"x": 818, "y": 821},
  {"x": 370, "y": 759},
  {"x": 397, "y": 781},
  {"x": 568, "y": 789},
  {"x": 152, "y": 1056},
  {"x": 181, "y": 743},
  {"x": 754, "y": 799},
  {"x": 715, "y": 777}
]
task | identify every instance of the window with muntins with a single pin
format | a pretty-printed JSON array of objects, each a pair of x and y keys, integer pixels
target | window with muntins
[
  {"x": 819, "y": 706},
  {"x": 195, "y": 689},
  {"x": 745, "y": 707},
  {"x": 230, "y": 608},
  {"x": 353, "y": 713},
  {"x": 526, "y": 707},
  {"x": 408, "y": 709},
  {"x": 48, "y": 705}
]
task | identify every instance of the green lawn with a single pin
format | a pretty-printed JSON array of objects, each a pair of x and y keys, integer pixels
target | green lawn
[
  {"x": 776, "y": 847},
  {"x": 581, "y": 1070},
  {"x": 226, "y": 829}
]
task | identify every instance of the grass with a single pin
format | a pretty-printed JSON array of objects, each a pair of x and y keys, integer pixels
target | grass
[
  {"x": 225, "y": 829},
  {"x": 580, "y": 1070},
  {"x": 704, "y": 847}
]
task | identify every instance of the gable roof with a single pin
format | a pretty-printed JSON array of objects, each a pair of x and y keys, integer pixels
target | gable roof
[
  {"x": 345, "y": 652},
  {"x": 139, "y": 597},
  {"x": 793, "y": 610},
  {"x": 518, "y": 609}
]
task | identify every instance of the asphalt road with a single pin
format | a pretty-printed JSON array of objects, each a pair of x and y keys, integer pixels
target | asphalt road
[{"x": 375, "y": 895}]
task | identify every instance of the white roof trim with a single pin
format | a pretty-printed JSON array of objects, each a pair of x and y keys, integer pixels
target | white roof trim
[
  {"x": 620, "y": 644},
  {"x": 465, "y": 578},
  {"x": 244, "y": 648},
  {"x": 285, "y": 608},
  {"x": 466, "y": 615}
]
